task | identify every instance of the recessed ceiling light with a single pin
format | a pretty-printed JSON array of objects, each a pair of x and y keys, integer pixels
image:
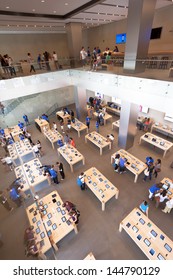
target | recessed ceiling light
[
  {"x": 33, "y": 10},
  {"x": 42, "y": 1},
  {"x": 8, "y": 25},
  {"x": 17, "y": 25},
  {"x": 26, "y": 25},
  {"x": 35, "y": 25},
  {"x": 54, "y": 12},
  {"x": 66, "y": 4},
  {"x": 7, "y": 7}
]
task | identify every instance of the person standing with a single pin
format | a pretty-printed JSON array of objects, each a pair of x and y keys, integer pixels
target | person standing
[
  {"x": 116, "y": 162},
  {"x": 83, "y": 56},
  {"x": 168, "y": 206},
  {"x": 39, "y": 60},
  {"x": 46, "y": 57},
  {"x": 72, "y": 143},
  {"x": 61, "y": 170},
  {"x": 39, "y": 147},
  {"x": 153, "y": 189},
  {"x": 55, "y": 59},
  {"x": 15, "y": 197},
  {"x": 30, "y": 61},
  {"x": 160, "y": 197},
  {"x": 122, "y": 163},
  {"x": 88, "y": 121},
  {"x": 4, "y": 202},
  {"x": 53, "y": 175},
  {"x": 144, "y": 207},
  {"x": 97, "y": 126},
  {"x": 54, "y": 126},
  {"x": 25, "y": 118},
  {"x": 157, "y": 167}
]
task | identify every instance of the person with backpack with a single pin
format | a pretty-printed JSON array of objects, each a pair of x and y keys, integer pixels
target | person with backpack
[
  {"x": 74, "y": 216},
  {"x": 69, "y": 206}
]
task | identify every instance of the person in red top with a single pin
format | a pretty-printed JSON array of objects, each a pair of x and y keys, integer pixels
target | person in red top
[{"x": 72, "y": 142}]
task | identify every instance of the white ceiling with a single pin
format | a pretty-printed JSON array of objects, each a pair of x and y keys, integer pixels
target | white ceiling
[{"x": 52, "y": 15}]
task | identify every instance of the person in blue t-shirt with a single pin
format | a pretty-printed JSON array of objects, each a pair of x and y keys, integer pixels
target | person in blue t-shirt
[
  {"x": 153, "y": 189},
  {"x": 122, "y": 163},
  {"x": 144, "y": 207},
  {"x": 21, "y": 136},
  {"x": 97, "y": 126},
  {"x": 53, "y": 174},
  {"x": 15, "y": 197},
  {"x": 45, "y": 117},
  {"x": 149, "y": 160},
  {"x": 20, "y": 124},
  {"x": 2, "y": 132},
  {"x": 26, "y": 120},
  {"x": 87, "y": 121}
]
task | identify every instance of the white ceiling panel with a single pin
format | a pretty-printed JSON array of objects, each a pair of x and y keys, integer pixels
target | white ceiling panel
[{"x": 46, "y": 7}]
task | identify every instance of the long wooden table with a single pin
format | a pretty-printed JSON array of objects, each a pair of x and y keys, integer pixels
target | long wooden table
[
  {"x": 42, "y": 125},
  {"x": 21, "y": 152},
  {"x": 52, "y": 224},
  {"x": 98, "y": 140},
  {"x": 106, "y": 117},
  {"x": 116, "y": 124},
  {"x": 34, "y": 175},
  {"x": 150, "y": 239},
  {"x": 133, "y": 164},
  {"x": 53, "y": 136},
  {"x": 64, "y": 117},
  {"x": 169, "y": 183},
  {"x": 71, "y": 155},
  {"x": 159, "y": 143},
  {"x": 164, "y": 129},
  {"x": 103, "y": 189},
  {"x": 13, "y": 131},
  {"x": 19, "y": 172},
  {"x": 79, "y": 126},
  {"x": 113, "y": 110}
]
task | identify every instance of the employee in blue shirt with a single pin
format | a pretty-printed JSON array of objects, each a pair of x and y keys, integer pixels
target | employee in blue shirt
[
  {"x": 53, "y": 175},
  {"x": 122, "y": 165},
  {"x": 154, "y": 189},
  {"x": 14, "y": 195},
  {"x": 2, "y": 132},
  {"x": 87, "y": 121},
  {"x": 20, "y": 124},
  {"x": 26, "y": 120},
  {"x": 45, "y": 117}
]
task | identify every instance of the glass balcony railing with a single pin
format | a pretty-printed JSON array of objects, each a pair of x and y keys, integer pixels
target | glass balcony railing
[{"x": 160, "y": 69}]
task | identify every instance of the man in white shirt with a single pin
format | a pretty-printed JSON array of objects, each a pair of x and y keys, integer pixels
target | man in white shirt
[
  {"x": 8, "y": 162},
  {"x": 55, "y": 59},
  {"x": 36, "y": 150},
  {"x": 83, "y": 55}
]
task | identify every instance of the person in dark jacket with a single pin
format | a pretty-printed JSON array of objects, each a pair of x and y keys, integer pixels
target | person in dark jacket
[{"x": 61, "y": 170}]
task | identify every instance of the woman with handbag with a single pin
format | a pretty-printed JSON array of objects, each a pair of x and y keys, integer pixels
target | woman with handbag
[{"x": 157, "y": 167}]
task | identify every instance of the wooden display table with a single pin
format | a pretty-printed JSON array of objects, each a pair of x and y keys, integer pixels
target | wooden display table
[
  {"x": 21, "y": 152},
  {"x": 52, "y": 224},
  {"x": 42, "y": 125},
  {"x": 98, "y": 140},
  {"x": 19, "y": 172},
  {"x": 79, "y": 126},
  {"x": 160, "y": 142},
  {"x": 106, "y": 117},
  {"x": 35, "y": 220},
  {"x": 13, "y": 154},
  {"x": 103, "y": 189},
  {"x": 116, "y": 124},
  {"x": 34, "y": 175},
  {"x": 62, "y": 116},
  {"x": 53, "y": 136},
  {"x": 71, "y": 155},
  {"x": 56, "y": 218},
  {"x": 164, "y": 129},
  {"x": 150, "y": 239},
  {"x": 133, "y": 164},
  {"x": 13, "y": 131},
  {"x": 168, "y": 185},
  {"x": 89, "y": 257},
  {"x": 113, "y": 110}
]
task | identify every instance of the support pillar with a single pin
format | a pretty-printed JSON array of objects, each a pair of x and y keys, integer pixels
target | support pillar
[
  {"x": 74, "y": 37},
  {"x": 127, "y": 128},
  {"x": 139, "y": 25},
  {"x": 80, "y": 101}
]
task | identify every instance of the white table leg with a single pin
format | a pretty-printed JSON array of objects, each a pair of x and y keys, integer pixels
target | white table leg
[
  {"x": 78, "y": 133},
  {"x": 71, "y": 167},
  {"x": 117, "y": 194},
  {"x": 103, "y": 206},
  {"x": 120, "y": 227},
  {"x": 136, "y": 178},
  {"x": 100, "y": 151}
]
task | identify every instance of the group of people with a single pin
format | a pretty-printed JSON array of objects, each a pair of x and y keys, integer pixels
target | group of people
[
  {"x": 153, "y": 168},
  {"x": 94, "y": 58},
  {"x": 51, "y": 171},
  {"x": 43, "y": 61},
  {"x": 6, "y": 62}
]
